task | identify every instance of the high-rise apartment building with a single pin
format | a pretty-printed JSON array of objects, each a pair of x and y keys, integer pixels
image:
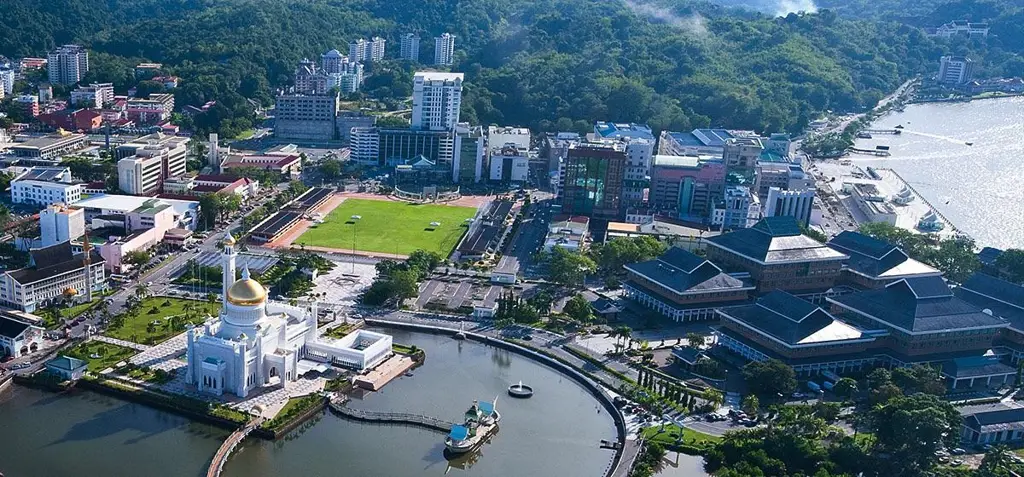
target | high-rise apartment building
[
  {"x": 6, "y": 82},
  {"x": 366, "y": 50},
  {"x": 306, "y": 117},
  {"x": 332, "y": 62},
  {"x": 955, "y": 70},
  {"x": 593, "y": 175},
  {"x": 410, "y": 47},
  {"x": 67, "y": 64},
  {"x": 739, "y": 209},
  {"x": 444, "y": 49},
  {"x": 740, "y": 155},
  {"x": 436, "y": 100}
]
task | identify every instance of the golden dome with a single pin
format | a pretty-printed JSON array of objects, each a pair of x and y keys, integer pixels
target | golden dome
[
  {"x": 229, "y": 240},
  {"x": 247, "y": 292},
  {"x": 71, "y": 291}
]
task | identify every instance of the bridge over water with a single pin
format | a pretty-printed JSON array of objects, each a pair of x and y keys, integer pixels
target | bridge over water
[
  {"x": 217, "y": 465},
  {"x": 426, "y": 422}
]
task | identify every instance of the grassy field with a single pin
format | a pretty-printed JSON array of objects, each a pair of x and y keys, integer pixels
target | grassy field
[
  {"x": 108, "y": 354},
  {"x": 137, "y": 328},
  {"x": 390, "y": 227},
  {"x": 668, "y": 436}
]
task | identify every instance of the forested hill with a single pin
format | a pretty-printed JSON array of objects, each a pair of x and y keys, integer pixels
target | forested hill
[{"x": 542, "y": 63}]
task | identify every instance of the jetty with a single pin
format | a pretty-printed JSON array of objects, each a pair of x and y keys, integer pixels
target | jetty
[
  {"x": 418, "y": 420},
  {"x": 221, "y": 457},
  {"x": 881, "y": 131},
  {"x": 870, "y": 152}
]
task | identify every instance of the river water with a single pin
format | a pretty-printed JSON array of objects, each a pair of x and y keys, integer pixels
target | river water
[
  {"x": 556, "y": 432},
  {"x": 980, "y": 188}
]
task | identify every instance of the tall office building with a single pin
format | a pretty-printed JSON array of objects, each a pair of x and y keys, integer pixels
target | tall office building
[
  {"x": 436, "y": 100},
  {"x": 593, "y": 174},
  {"x": 410, "y": 47},
  {"x": 67, "y": 64},
  {"x": 955, "y": 70},
  {"x": 740, "y": 155},
  {"x": 790, "y": 203},
  {"x": 444, "y": 49}
]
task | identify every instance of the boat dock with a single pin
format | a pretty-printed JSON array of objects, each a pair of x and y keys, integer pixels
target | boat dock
[
  {"x": 391, "y": 368},
  {"x": 882, "y": 131},
  {"x": 870, "y": 152}
]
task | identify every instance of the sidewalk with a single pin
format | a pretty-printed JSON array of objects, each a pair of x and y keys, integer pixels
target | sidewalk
[{"x": 122, "y": 343}]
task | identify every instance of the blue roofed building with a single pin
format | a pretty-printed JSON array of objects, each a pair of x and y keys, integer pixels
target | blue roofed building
[
  {"x": 1003, "y": 299},
  {"x": 610, "y": 130},
  {"x": 998, "y": 423},
  {"x": 806, "y": 337},
  {"x": 874, "y": 263},
  {"x": 683, "y": 286},
  {"x": 66, "y": 367},
  {"x": 698, "y": 141},
  {"x": 778, "y": 256}
]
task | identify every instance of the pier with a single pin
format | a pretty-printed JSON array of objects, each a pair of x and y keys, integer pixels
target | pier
[
  {"x": 870, "y": 152},
  {"x": 221, "y": 457},
  {"x": 426, "y": 422},
  {"x": 882, "y": 131}
]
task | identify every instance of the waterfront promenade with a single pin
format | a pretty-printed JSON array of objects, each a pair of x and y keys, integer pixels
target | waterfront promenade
[
  {"x": 225, "y": 450},
  {"x": 426, "y": 422}
]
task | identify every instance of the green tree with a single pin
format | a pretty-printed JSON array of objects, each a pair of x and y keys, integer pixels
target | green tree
[
  {"x": 695, "y": 340},
  {"x": 770, "y": 378},
  {"x": 845, "y": 388},
  {"x": 751, "y": 404},
  {"x": 578, "y": 309},
  {"x": 1011, "y": 264},
  {"x": 999, "y": 462},
  {"x": 912, "y": 428},
  {"x": 210, "y": 208},
  {"x": 137, "y": 257},
  {"x": 330, "y": 169},
  {"x": 567, "y": 268}
]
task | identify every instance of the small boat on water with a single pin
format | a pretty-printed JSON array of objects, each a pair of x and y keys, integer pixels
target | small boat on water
[
  {"x": 481, "y": 421},
  {"x": 969, "y": 143},
  {"x": 898, "y": 126}
]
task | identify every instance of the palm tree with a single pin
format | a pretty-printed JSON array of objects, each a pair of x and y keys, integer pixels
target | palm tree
[
  {"x": 695, "y": 340},
  {"x": 141, "y": 291},
  {"x": 626, "y": 333}
]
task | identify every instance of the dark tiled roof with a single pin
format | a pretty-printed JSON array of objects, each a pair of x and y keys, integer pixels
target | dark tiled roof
[
  {"x": 690, "y": 306},
  {"x": 775, "y": 239},
  {"x": 1004, "y": 416},
  {"x": 918, "y": 305},
  {"x": 976, "y": 366},
  {"x": 682, "y": 272},
  {"x": 872, "y": 257},
  {"x": 822, "y": 358},
  {"x": 988, "y": 255},
  {"x": 792, "y": 320},
  {"x": 46, "y": 256},
  {"x": 992, "y": 287},
  {"x": 35, "y": 274},
  {"x": 11, "y": 328}
]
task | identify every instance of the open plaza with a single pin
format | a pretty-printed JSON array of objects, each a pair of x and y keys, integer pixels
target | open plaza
[{"x": 391, "y": 227}]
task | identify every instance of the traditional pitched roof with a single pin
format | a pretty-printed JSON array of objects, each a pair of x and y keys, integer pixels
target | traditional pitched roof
[
  {"x": 792, "y": 321},
  {"x": 775, "y": 240},
  {"x": 12, "y": 328},
  {"x": 996, "y": 289},
  {"x": 877, "y": 259},
  {"x": 988, "y": 255},
  {"x": 918, "y": 305},
  {"x": 66, "y": 363},
  {"x": 999, "y": 420},
  {"x": 683, "y": 272}
]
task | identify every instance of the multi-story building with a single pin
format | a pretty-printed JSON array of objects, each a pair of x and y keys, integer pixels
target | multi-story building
[
  {"x": 175, "y": 150},
  {"x": 508, "y": 163},
  {"x": 364, "y": 142},
  {"x": 284, "y": 163},
  {"x": 57, "y": 273},
  {"x": 93, "y": 96},
  {"x": 73, "y": 119},
  {"x": 955, "y": 70},
  {"x": 147, "y": 70},
  {"x": 444, "y": 49},
  {"x": 470, "y": 147},
  {"x": 696, "y": 142},
  {"x": 29, "y": 103},
  {"x": 778, "y": 256},
  {"x": 44, "y": 186},
  {"x": 592, "y": 184},
  {"x": 157, "y": 108},
  {"x": 787, "y": 176},
  {"x": 50, "y": 147},
  {"x": 347, "y": 120},
  {"x": 18, "y": 336},
  {"x": 45, "y": 93},
  {"x": 686, "y": 187},
  {"x": 874, "y": 263},
  {"x": 498, "y": 136},
  {"x": 1003, "y": 299},
  {"x": 184, "y": 213},
  {"x": 920, "y": 320},
  {"x": 806, "y": 337},
  {"x": 791, "y": 203},
  {"x": 740, "y": 155},
  {"x": 366, "y": 50},
  {"x": 306, "y": 117},
  {"x": 332, "y": 62},
  {"x": 309, "y": 80},
  {"x": 142, "y": 173},
  {"x": 410, "y": 47},
  {"x": 59, "y": 223},
  {"x": 6, "y": 82},
  {"x": 398, "y": 146},
  {"x": 739, "y": 208},
  {"x": 67, "y": 64},
  {"x": 570, "y": 233},
  {"x": 436, "y": 100},
  {"x": 683, "y": 286},
  {"x": 962, "y": 27}
]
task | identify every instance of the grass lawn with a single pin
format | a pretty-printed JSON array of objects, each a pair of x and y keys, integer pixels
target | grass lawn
[
  {"x": 136, "y": 328},
  {"x": 108, "y": 354},
  {"x": 390, "y": 227},
  {"x": 76, "y": 310},
  {"x": 668, "y": 436}
]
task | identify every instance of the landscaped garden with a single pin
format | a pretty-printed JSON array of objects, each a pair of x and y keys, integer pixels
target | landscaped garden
[
  {"x": 100, "y": 355},
  {"x": 154, "y": 320},
  {"x": 390, "y": 227}
]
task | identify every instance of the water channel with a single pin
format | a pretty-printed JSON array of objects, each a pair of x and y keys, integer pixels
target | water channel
[{"x": 557, "y": 432}]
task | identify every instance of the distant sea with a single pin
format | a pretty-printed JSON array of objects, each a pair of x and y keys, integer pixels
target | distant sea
[{"x": 980, "y": 188}]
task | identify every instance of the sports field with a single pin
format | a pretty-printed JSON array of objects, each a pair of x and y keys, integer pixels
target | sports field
[{"x": 389, "y": 227}]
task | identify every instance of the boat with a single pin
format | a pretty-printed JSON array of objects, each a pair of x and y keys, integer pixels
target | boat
[
  {"x": 520, "y": 390},
  {"x": 898, "y": 126},
  {"x": 969, "y": 143},
  {"x": 863, "y": 135},
  {"x": 481, "y": 422}
]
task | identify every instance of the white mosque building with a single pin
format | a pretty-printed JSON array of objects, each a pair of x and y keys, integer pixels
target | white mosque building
[{"x": 255, "y": 342}]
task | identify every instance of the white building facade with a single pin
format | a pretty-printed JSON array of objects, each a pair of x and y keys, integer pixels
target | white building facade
[
  {"x": 67, "y": 65},
  {"x": 444, "y": 49},
  {"x": 790, "y": 203},
  {"x": 256, "y": 343},
  {"x": 410, "y": 49},
  {"x": 436, "y": 100}
]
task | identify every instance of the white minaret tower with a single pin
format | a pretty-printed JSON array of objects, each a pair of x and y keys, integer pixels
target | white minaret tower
[{"x": 229, "y": 264}]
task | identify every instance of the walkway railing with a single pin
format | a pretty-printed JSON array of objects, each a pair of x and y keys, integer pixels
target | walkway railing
[
  {"x": 219, "y": 459},
  {"x": 426, "y": 422}
]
